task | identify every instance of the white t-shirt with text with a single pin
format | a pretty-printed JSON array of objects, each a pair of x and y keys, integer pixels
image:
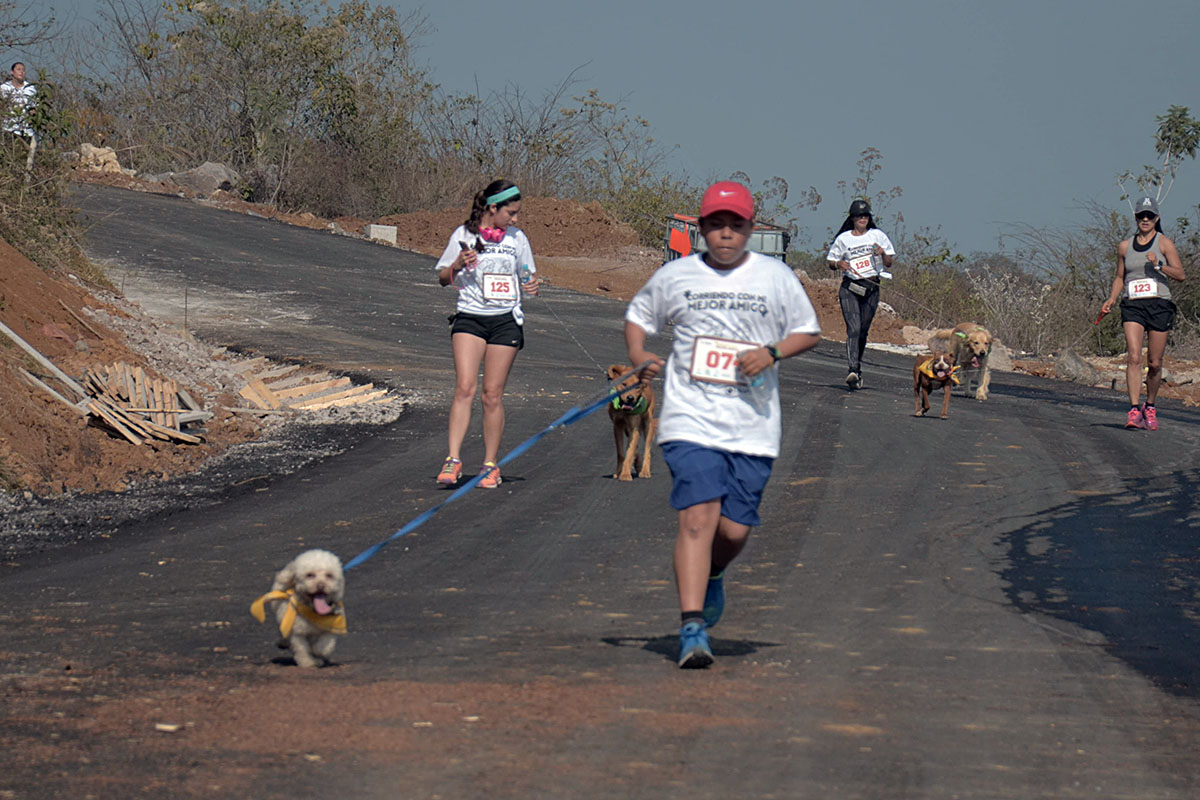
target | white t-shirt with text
[
  {"x": 493, "y": 285},
  {"x": 859, "y": 251},
  {"x": 716, "y": 313}
]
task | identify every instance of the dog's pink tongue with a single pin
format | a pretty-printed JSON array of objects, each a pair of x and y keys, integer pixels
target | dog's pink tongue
[{"x": 321, "y": 605}]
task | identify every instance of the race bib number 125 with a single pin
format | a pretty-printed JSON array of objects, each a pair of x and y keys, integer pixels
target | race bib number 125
[{"x": 499, "y": 286}]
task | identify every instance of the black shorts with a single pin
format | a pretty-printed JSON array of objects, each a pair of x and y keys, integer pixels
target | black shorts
[
  {"x": 1153, "y": 314},
  {"x": 499, "y": 329}
]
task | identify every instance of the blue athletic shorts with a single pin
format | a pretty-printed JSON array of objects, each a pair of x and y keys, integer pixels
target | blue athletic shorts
[{"x": 702, "y": 474}]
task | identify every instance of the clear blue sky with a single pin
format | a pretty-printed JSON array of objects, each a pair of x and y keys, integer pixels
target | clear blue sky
[{"x": 988, "y": 114}]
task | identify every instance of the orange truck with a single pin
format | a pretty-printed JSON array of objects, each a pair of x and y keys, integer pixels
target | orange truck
[{"x": 683, "y": 238}]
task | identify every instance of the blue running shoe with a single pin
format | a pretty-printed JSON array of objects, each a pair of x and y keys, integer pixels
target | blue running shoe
[
  {"x": 694, "y": 652},
  {"x": 714, "y": 600}
]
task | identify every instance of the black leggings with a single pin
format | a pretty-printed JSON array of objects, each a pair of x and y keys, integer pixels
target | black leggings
[{"x": 858, "y": 311}]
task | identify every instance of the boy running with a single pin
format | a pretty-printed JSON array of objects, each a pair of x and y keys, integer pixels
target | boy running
[{"x": 735, "y": 314}]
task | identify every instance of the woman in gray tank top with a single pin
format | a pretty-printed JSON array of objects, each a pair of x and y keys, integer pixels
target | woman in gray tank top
[{"x": 1144, "y": 262}]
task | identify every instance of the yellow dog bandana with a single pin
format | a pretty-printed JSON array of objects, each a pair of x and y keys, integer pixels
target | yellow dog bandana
[
  {"x": 928, "y": 373},
  {"x": 330, "y": 623}
]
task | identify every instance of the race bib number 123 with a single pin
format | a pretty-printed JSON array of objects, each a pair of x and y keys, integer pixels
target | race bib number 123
[{"x": 1144, "y": 287}]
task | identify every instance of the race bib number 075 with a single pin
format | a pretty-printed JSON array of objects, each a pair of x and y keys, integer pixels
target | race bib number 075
[{"x": 715, "y": 360}]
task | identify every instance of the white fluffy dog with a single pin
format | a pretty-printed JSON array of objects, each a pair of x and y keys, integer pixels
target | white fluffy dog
[{"x": 307, "y": 598}]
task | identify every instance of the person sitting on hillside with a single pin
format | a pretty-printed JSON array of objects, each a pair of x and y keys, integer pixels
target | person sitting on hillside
[{"x": 17, "y": 96}]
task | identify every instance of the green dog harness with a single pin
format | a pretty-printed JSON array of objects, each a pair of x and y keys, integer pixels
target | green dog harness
[{"x": 639, "y": 407}]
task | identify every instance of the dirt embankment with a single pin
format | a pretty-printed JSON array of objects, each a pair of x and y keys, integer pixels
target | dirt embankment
[
  {"x": 50, "y": 445},
  {"x": 47, "y": 447}
]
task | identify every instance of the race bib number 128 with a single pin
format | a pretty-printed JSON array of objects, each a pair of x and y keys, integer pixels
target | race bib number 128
[{"x": 862, "y": 267}]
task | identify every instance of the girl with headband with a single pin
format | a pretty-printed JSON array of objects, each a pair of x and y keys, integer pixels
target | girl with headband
[{"x": 489, "y": 261}]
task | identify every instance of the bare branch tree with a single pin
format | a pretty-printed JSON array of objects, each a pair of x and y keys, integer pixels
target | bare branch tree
[{"x": 22, "y": 25}]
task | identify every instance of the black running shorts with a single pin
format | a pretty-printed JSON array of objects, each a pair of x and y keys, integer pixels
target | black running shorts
[
  {"x": 1153, "y": 314},
  {"x": 499, "y": 329}
]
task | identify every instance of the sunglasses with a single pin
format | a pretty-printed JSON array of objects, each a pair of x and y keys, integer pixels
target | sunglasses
[{"x": 1145, "y": 215}]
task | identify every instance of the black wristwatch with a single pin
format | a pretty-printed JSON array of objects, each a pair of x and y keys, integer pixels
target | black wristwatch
[{"x": 774, "y": 351}]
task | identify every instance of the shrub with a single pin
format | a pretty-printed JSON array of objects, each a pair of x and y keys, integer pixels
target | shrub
[{"x": 33, "y": 214}]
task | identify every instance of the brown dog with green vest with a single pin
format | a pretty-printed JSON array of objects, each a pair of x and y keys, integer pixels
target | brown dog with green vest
[{"x": 632, "y": 416}]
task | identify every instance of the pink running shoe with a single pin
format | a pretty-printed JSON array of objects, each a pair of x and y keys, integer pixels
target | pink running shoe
[
  {"x": 1150, "y": 415},
  {"x": 451, "y": 470},
  {"x": 491, "y": 475},
  {"x": 1134, "y": 421}
]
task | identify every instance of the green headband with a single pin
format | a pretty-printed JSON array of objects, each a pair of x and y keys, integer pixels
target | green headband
[{"x": 500, "y": 197}]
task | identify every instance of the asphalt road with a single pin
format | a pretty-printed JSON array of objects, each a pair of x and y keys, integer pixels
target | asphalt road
[{"x": 1000, "y": 605}]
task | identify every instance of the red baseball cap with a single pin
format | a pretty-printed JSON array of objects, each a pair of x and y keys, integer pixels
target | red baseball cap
[{"x": 727, "y": 196}]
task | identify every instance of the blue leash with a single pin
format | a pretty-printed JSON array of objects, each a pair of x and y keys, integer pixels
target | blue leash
[{"x": 570, "y": 418}]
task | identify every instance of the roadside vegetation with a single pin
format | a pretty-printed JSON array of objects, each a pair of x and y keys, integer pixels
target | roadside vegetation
[
  {"x": 33, "y": 179},
  {"x": 323, "y": 108}
]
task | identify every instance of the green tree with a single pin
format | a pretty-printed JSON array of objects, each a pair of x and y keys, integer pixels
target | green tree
[
  {"x": 34, "y": 178},
  {"x": 1176, "y": 138},
  {"x": 264, "y": 86}
]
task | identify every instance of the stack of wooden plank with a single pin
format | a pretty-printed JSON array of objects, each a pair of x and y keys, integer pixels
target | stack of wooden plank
[
  {"x": 121, "y": 398},
  {"x": 140, "y": 407},
  {"x": 276, "y": 389}
]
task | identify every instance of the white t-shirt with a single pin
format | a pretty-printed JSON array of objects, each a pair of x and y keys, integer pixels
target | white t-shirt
[
  {"x": 493, "y": 285},
  {"x": 717, "y": 313},
  {"x": 15, "y": 107},
  {"x": 858, "y": 250}
]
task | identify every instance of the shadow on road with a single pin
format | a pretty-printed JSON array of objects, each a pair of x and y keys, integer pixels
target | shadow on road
[
  {"x": 668, "y": 646},
  {"x": 1125, "y": 564},
  {"x": 1064, "y": 393}
]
